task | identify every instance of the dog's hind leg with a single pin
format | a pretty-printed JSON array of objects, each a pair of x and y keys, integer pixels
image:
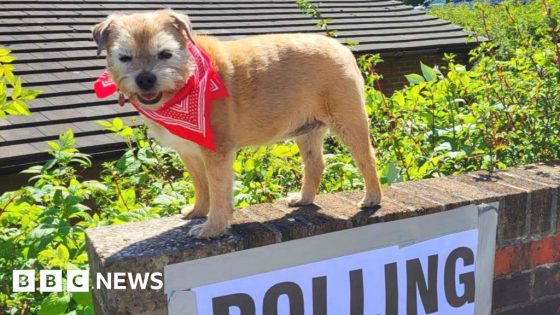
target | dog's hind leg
[
  {"x": 311, "y": 150},
  {"x": 349, "y": 122},
  {"x": 219, "y": 170},
  {"x": 197, "y": 171}
]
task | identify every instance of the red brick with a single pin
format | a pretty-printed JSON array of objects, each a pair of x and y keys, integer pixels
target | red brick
[
  {"x": 545, "y": 251},
  {"x": 523, "y": 256},
  {"x": 512, "y": 259}
]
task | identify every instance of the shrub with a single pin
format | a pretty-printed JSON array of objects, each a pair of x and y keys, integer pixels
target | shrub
[
  {"x": 504, "y": 111},
  {"x": 42, "y": 225},
  {"x": 500, "y": 113},
  {"x": 509, "y": 25}
]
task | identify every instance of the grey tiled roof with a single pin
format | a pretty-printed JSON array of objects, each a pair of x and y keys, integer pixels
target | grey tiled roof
[{"x": 52, "y": 42}]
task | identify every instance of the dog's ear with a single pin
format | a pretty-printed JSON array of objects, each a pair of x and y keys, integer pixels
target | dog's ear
[
  {"x": 182, "y": 22},
  {"x": 100, "y": 33}
]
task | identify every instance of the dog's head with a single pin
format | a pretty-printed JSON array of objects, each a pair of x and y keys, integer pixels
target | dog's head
[{"x": 146, "y": 54}]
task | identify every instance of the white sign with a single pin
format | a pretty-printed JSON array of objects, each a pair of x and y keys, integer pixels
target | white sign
[
  {"x": 432, "y": 277},
  {"x": 416, "y": 274}
]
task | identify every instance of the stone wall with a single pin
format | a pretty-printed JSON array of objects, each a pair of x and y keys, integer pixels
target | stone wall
[{"x": 527, "y": 269}]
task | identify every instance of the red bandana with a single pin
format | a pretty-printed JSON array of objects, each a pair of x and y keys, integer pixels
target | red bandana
[{"x": 187, "y": 113}]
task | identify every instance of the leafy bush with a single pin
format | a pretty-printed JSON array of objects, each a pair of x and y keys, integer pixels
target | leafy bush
[
  {"x": 42, "y": 225},
  {"x": 503, "y": 111},
  {"x": 509, "y": 25},
  {"x": 15, "y": 105},
  {"x": 499, "y": 113}
]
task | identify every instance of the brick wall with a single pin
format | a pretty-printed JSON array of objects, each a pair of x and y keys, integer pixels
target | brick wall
[
  {"x": 395, "y": 67},
  {"x": 527, "y": 269}
]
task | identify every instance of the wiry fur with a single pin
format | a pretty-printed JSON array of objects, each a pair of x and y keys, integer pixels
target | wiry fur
[{"x": 281, "y": 86}]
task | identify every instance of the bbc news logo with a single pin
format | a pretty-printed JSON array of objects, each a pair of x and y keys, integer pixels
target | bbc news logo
[{"x": 78, "y": 281}]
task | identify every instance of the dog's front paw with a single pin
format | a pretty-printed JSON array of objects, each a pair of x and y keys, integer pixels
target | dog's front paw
[
  {"x": 370, "y": 201},
  {"x": 206, "y": 230},
  {"x": 193, "y": 212},
  {"x": 297, "y": 200}
]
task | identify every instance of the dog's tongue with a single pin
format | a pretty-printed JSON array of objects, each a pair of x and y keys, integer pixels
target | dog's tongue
[{"x": 149, "y": 96}]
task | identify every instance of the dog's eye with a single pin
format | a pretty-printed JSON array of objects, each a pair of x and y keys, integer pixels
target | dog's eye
[
  {"x": 125, "y": 58},
  {"x": 164, "y": 54}
]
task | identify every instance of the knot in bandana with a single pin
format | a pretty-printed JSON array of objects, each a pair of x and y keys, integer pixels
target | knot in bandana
[{"x": 187, "y": 113}]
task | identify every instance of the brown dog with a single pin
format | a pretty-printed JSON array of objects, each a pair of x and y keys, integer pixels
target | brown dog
[{"x": 282, "y": 86}]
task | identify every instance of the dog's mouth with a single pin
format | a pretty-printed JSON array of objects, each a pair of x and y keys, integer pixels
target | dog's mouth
[{"x": 149, "y": 98}]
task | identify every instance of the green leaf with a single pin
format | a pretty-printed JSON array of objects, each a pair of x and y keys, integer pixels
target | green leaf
[
  {"x": 17, "y": 89},
  {"x": 62, "y": 253},
  {"x": 164, "y": 200},
  {"x": 94, "y": 185},
  {"x": 7, "y": 59},
  {"x": 36, "y": 169},
  {"x": 118, "y": 124},
  {"x": 126, "y": 132},
  {"x": 391, "y": 173},
  {"x": 8, "y": 73},
  {"x": 414, "y": 78},
  {"x": 53, "y": 145},
  {"x": 41, "y": 232},
  {"x": 20, "y": 107},
  {"x": 429, "y": 73},
  {"x": 146, "y": 156},
  {"x": 72, "y": 200},
  {"x": 127, "y": 199},
  {"x": 128, "y": 163},
  {"x": 83, "y": 298},
  {"x": 67, "y": 139},
  {"x": 86, "y": 311},
  {"x": 249, "y": 165},
  {"x": 28, "y": 95},
  {"x": 104, "y": 123},
  {"x": 48, "y": 165},
  {"x": 55, "y": 304},
  {"x": 283, "y": 150}
]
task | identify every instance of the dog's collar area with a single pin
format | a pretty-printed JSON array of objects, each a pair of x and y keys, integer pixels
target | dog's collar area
[{"x": 187, "y": 113}]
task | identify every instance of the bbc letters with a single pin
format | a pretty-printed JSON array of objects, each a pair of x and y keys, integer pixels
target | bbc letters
[{"x": 431, "y": 277}]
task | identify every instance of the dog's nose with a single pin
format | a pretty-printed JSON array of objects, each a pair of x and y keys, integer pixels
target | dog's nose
[{"x": 146, "y": 80}]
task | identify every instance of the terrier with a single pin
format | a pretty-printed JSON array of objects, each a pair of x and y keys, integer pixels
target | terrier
[{"x": 275, "y": 87}]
